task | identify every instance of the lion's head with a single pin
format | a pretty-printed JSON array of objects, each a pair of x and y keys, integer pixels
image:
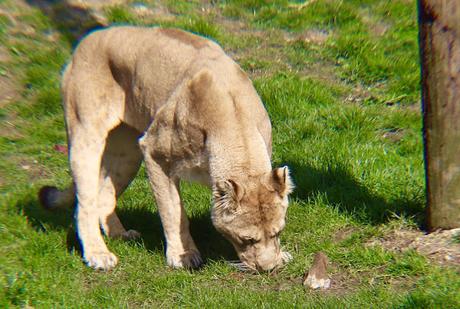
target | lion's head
[{"x": 251, "y": 213}]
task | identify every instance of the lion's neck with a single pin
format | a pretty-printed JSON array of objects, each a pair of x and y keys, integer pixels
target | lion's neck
[{"x": 238, "y": 156}]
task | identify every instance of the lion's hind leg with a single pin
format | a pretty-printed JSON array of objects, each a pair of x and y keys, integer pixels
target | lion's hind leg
[
  {"x": 85, "y": 161},
  {"x": 120, "y": 163},
  {"x": 92, "y": 109}
]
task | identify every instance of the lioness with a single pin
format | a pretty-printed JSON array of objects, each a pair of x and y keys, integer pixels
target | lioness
[{"x": 180, "y": 103}]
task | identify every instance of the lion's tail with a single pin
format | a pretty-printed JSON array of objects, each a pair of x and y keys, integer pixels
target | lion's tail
[{"x": 52, "y": 198}]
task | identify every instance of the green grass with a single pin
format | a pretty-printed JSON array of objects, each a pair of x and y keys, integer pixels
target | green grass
[{"x": 349, "y": 175}]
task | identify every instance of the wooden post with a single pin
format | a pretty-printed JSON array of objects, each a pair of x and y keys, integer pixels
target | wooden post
[{"x": 439, "y": 24}]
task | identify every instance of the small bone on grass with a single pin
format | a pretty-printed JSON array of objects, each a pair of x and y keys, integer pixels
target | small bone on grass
[{"x": 316, "y": 277}]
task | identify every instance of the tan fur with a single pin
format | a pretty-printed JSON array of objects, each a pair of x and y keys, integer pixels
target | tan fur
[
  {"x": 195, "y": 41},
  {"x": 199, "y": 118}
]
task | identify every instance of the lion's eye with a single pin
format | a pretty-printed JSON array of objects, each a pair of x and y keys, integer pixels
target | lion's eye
[{"x": 249, "y": 240}]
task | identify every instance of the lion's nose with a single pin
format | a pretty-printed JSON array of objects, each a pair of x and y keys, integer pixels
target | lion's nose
[
  {"x": 265, "y": 267},
  {"x": 268, "y": 267},
  {"x": 268, "y": 263}
]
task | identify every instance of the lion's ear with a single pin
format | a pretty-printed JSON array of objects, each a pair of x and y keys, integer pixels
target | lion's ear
[
  {"x": 281, "y": 181},
  {"x": 228, "y": 193}
]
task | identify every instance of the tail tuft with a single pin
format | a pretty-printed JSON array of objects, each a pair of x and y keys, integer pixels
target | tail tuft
[
  {"x": 45, "y": 195},
  {"x": 52, "y": 198}
]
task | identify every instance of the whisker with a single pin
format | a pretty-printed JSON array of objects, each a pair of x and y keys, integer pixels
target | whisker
[{"x": 241, "y": 266}]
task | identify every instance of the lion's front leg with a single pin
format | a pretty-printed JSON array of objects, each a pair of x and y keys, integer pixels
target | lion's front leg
[{"x": 181, "y": 250}]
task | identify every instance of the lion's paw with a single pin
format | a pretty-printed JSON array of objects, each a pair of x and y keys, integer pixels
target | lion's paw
[
  {"x": 130, "y": 235},
  {"x": 101, "y": 260},
  {"x": 188, "y": 259}
]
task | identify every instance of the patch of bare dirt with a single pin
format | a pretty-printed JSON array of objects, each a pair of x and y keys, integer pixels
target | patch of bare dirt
[
  {"x": 32, "y": 167},
  {"x": 414, "y": 107},
  {"x": 344, "y": 282},
  {"x": 343, "y": 234},
  {"x": 8, "y": 129},
  {"x": 261, "y": 57},
  {"x": 9, "y": 89},
  {"x": 441, "y": 247},
  {"x": 78, "y": 16},
  {"x": 232, "y": 25},
  {"x": 269, "y": 46},
  {"x": 358, "y": 95},
  {"x": 312, "y": 36},
  {"x": 157, "y": 12},
  {"x": 375, "y": 26},
  {"x": 394, "y": 135},
  {"x": 4, "y": 54}
]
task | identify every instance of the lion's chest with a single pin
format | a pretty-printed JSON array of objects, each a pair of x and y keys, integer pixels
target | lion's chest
[
  {"x": 180, "y": 143},
  {"x": 194, "y": 170}
]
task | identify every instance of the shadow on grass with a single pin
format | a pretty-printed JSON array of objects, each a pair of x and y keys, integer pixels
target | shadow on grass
[
  {"x": 71, "y": 18},
  {"x": 210, "y": 243},
  {"x": 343, "y": 191}
]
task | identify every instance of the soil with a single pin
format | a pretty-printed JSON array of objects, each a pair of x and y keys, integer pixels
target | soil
[
  {"x": 343, "y": 234},
  {"x": 9, "y": 90},
  {"x": 441, "y": 247}
]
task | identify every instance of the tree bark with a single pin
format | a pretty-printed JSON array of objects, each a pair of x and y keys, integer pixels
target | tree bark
[{"x": 439, "y": 24}]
